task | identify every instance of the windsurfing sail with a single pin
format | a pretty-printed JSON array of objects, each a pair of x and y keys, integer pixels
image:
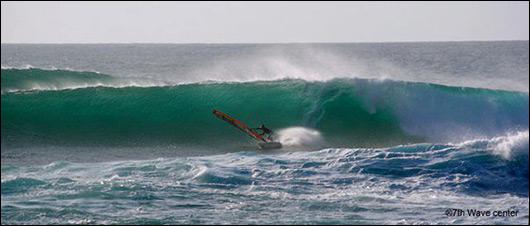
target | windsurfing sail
[{"x": 241, "y": 126}]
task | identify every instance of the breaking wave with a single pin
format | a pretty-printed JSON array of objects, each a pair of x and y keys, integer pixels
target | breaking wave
[
  {"x": 341, "y": 112},
  {"x": 332, "y": 178}
]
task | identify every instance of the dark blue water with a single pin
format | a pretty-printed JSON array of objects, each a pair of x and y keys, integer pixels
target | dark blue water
[{"x": 388, "y": 133}]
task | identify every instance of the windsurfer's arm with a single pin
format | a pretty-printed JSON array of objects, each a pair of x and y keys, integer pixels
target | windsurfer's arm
[{"x": 259, "y": 131}]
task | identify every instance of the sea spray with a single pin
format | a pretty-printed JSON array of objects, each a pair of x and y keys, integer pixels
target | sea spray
[
  {"x": 300, "y": 137},
  {"x": 405, "y": 137}
]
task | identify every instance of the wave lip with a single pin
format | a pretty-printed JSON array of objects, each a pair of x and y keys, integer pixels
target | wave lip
[
  {"x": 30, "y": 78},
  {"x": 506, "y": 146}
]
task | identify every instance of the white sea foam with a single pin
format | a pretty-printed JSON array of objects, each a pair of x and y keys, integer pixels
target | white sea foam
[
  {"x": 506, "y": 146},
  {"x": 25, "y": 67},
  {"x": 300, "y": 136},
  {"x": 509, "y": 145}
]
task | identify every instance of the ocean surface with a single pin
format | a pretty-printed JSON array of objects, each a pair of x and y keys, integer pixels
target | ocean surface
[{"x": 373, "y": 133}]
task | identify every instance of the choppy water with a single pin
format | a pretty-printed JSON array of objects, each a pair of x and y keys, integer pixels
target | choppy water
[
  {"x": 406, "y": 184},
  {"x": 124, "y": 133}
]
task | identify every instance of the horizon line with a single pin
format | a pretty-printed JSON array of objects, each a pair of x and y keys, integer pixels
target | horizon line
[{"x": 264, "y": 43}]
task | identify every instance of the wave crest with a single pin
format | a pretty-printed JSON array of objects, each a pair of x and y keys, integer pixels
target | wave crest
[
  {"x": 347, "y": 112},
  {"x": 507, "y": 146},
  {"x": 36, "y": 79}
]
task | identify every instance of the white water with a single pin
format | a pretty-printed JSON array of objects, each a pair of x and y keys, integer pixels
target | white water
[{"x": 300, "y": 137}]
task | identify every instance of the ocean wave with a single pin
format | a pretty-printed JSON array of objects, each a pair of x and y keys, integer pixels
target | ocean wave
[
  {"x": 52, "y": 68},
  {"x": 38, "y": 79},
  {"x": 473, "y": 161},
  {"x": 346, "y": 112},
  {"x": 470, "y": 168},
  {"x": 343, "y": 179},
  {"x": 30, "y": 78},
  {"x": 508, "y": 146},
  {"x": 27, "y": 66}
]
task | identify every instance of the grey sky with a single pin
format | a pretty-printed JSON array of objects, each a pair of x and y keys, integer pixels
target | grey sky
[{"x": 257, "y": 22}]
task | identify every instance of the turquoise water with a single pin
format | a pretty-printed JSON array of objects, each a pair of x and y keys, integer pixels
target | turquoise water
[
  {"x": 348, "y": 112},
  {"x": 124, "y": 134}
]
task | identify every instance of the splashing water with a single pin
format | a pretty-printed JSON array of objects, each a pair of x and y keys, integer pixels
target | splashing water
[
  {"x": 300, "y": 137},
  {"x": 512, "y": 144}
]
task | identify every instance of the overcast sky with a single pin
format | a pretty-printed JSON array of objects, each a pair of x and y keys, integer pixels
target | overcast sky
[{"x": 261, "y": 22}]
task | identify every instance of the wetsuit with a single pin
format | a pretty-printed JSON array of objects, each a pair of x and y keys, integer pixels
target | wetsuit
[{"x": 265, "y": 130}]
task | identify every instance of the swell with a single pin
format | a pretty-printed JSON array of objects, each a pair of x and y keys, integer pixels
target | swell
[
  {"x": 37, "y": 79},
  {"x": 347, "y": 112}
]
